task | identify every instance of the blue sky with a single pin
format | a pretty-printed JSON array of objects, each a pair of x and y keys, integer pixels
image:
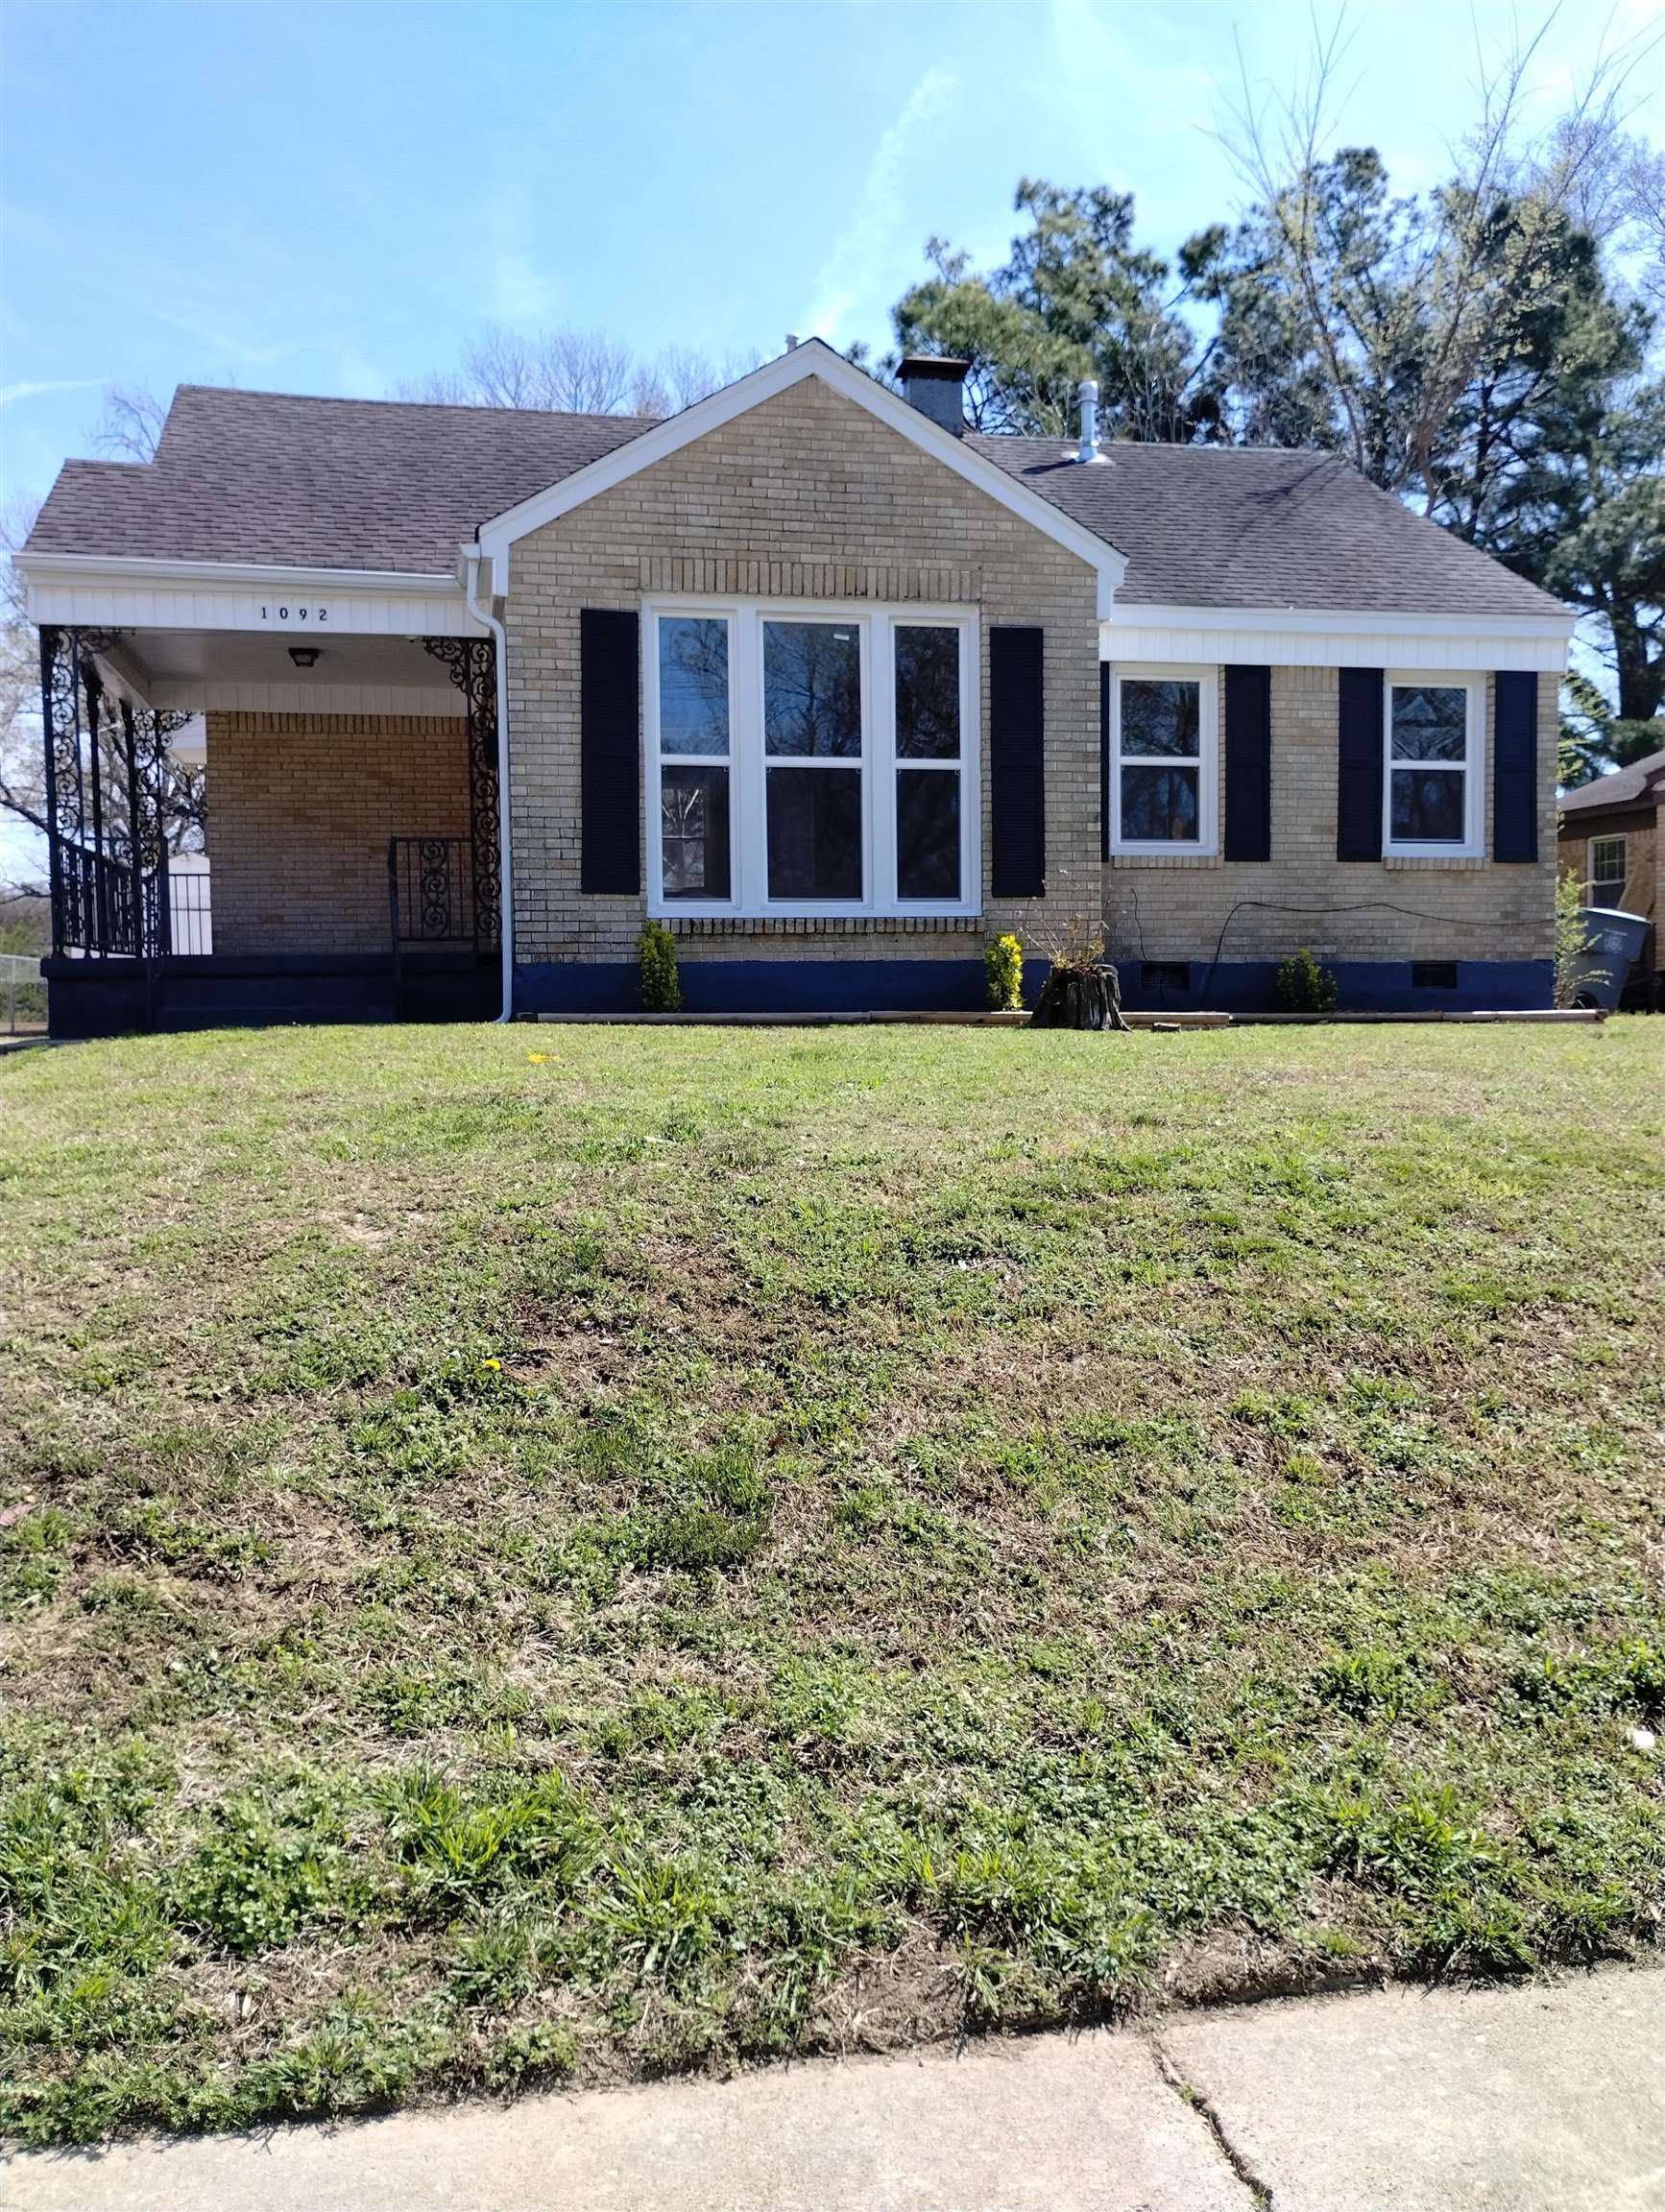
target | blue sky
[{"x": 336, "y": 198}]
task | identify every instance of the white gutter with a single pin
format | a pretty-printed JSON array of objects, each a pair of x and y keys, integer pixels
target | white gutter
[
  {"x": 135, "y": 568},
  {"x": 472, "y": 564}
]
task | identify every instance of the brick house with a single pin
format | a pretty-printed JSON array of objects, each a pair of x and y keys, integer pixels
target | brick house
[
  {"x": 832, "y": 687},
  {"x": 1612, "y": 840}
]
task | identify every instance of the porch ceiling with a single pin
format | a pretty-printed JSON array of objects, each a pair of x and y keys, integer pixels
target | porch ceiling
[{"x": 199, "y": 671}]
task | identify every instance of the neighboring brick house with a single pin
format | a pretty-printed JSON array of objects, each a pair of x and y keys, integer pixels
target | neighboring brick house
[
  {"x": 1613, "y": 839},
  {"x": 835, "y": 687}
]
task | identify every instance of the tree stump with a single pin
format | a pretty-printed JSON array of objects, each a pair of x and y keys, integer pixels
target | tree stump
[{"x": 1088, "y": 997}]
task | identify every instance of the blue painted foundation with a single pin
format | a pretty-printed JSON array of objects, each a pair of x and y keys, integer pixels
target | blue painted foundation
[
  {"x": 957, "y": 986},
  {"x": 114, "y": 997},
  {"x": 759, "y": 987},
  {"x": 108, "y": 998},
  {"x": 1362, "y": 987}
]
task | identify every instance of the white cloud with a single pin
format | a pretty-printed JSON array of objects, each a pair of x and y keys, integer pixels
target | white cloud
[
  {"x": 11, "y": 394},
  {"x": 872, "y": 237},
  {"x": 226, "y": 342}
]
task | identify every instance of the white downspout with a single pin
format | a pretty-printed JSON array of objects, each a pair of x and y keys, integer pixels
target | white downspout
[{"x": 500, "y": 649}]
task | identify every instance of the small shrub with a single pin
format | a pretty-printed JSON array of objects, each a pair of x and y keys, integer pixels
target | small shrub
[
  {"x": 1572, "y": 938},
  {"x": 1004, "y": 966},
  {"x": 660, "y": 986},
  {"x": 1304, "y": 986}
]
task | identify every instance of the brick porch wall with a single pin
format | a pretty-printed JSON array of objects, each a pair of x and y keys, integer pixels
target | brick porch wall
[
  {"x": 301, "y": 807},
  {"x": 1174, "y": 908},
  {"x": 805, "y": 497}
]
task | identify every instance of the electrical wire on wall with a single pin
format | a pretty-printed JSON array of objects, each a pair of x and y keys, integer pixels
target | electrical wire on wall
[{"x": 1288, "y": 907}]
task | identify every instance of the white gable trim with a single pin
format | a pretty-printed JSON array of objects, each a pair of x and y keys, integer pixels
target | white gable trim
[{"x": 812, "y": 358}]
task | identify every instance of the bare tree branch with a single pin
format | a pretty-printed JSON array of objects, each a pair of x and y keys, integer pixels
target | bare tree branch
[{"x": 130, "y": 426}]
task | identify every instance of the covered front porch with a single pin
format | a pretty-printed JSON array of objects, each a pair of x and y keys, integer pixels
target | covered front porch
[{"x": 353, "y": 855}]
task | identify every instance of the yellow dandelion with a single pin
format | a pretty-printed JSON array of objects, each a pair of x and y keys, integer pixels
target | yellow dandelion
[
  {"x": 537, "y": 1058},
  {"x": 492, "y": 1366}
]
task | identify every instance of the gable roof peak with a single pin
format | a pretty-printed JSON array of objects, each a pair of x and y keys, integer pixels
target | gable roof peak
[{"x": 810, "y": 357}]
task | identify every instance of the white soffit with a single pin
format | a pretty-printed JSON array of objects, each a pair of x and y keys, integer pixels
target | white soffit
[{"x": 812, "y": 358}]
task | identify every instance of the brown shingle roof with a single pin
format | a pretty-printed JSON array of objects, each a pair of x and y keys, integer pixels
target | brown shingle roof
[
  {"x": 261, "y": 476},
  {"x": 1257, "y": 526},
  {"x": 1640, "y": 784}
]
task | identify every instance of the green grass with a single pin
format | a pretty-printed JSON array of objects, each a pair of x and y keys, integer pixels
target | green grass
[{"x": 721, "y": 1542}]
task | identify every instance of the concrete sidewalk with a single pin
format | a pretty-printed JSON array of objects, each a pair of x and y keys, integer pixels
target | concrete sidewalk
[{"x": 1533, "y": 2099}]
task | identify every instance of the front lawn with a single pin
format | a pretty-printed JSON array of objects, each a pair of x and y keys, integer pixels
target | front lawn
[{"x": 537, "y": 1552}]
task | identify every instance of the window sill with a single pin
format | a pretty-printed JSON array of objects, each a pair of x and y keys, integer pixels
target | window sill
[
  {"x": 822, "y": 925},
  {"x": 1444, "y": 860},
  {"x": 1164, "y": 861}
]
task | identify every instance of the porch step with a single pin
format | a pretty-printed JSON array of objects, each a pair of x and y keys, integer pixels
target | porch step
[
  {"x": 454, "y": 994},
  {"x": 208, "y": 1001}
]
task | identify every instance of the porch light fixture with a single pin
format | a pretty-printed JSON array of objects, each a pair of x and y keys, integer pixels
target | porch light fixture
[{"x": 304, "y": 656}]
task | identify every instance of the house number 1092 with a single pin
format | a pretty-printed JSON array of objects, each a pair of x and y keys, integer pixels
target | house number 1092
[{"x": 293, "y": 615}]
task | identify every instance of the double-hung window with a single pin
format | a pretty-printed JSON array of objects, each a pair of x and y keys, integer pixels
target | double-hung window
[
  {"x": 932, "y": 806},
  {"x": 812, "y": 752},
  {"x": 1434, "y": 803},
  {"x": 1165, "y": 759},
  {"x": 1609, "y": 871},
  {"x": 811, "y": 760},
  {"x": 694, "y": 772}
]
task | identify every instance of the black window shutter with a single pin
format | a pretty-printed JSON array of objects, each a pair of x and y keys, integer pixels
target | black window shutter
[
  {"x": 1514, "y": 817},
  {"x": 1104, "y": 760},
  {"x": 1017, "y": 763},
  {"x": 1249, "y": 763},
  {"x": 609, "y": 751},
  {"x": 1359, "y": 786}
]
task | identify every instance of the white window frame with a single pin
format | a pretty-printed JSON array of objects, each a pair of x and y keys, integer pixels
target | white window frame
[
  {"x": 1472, "y": 844},
  {"x": 1620, "y": 838},
  {"x": 1206, "y": 843},
  {"x": 748, "y": 765}
]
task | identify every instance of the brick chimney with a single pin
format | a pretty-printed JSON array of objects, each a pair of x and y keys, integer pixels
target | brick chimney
[{"x": 936, "y": 385}]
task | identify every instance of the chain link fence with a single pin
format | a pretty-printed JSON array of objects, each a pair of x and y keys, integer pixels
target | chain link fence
[{"x": 22, "y": 995}]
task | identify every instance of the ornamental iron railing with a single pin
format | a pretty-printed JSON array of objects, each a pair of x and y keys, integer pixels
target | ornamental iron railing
[
  {"x": 100, "y": 904},
  {"x": 431, "y": 904},
  {"x": 106, "y": 779},
  {"x": 471, "y": 665}
]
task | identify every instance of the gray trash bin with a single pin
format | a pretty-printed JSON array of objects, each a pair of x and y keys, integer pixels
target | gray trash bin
[{"x": 1613, "y": 943}]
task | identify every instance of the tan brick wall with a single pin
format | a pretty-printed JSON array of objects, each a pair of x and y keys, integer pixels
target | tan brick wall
[
  {"x": 1174, "y": 909},
  {"x": 1644, "y": 862},
  {"x": 805, "y": 496},
  {"x": 301, "y": 807}
]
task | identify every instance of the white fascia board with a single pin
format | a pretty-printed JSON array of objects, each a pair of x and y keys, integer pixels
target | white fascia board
[
  {"x": 812, "y": 358},
  {"x": 128, "y": 593},
  {"x": 1323, "y": 637}
]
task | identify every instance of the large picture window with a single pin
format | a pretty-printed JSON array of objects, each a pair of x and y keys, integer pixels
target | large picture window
[
  {"x": 1164, "y": 760},
  {"x": 812, "y": 759},
  {"x": 1433, "y": 801}
]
